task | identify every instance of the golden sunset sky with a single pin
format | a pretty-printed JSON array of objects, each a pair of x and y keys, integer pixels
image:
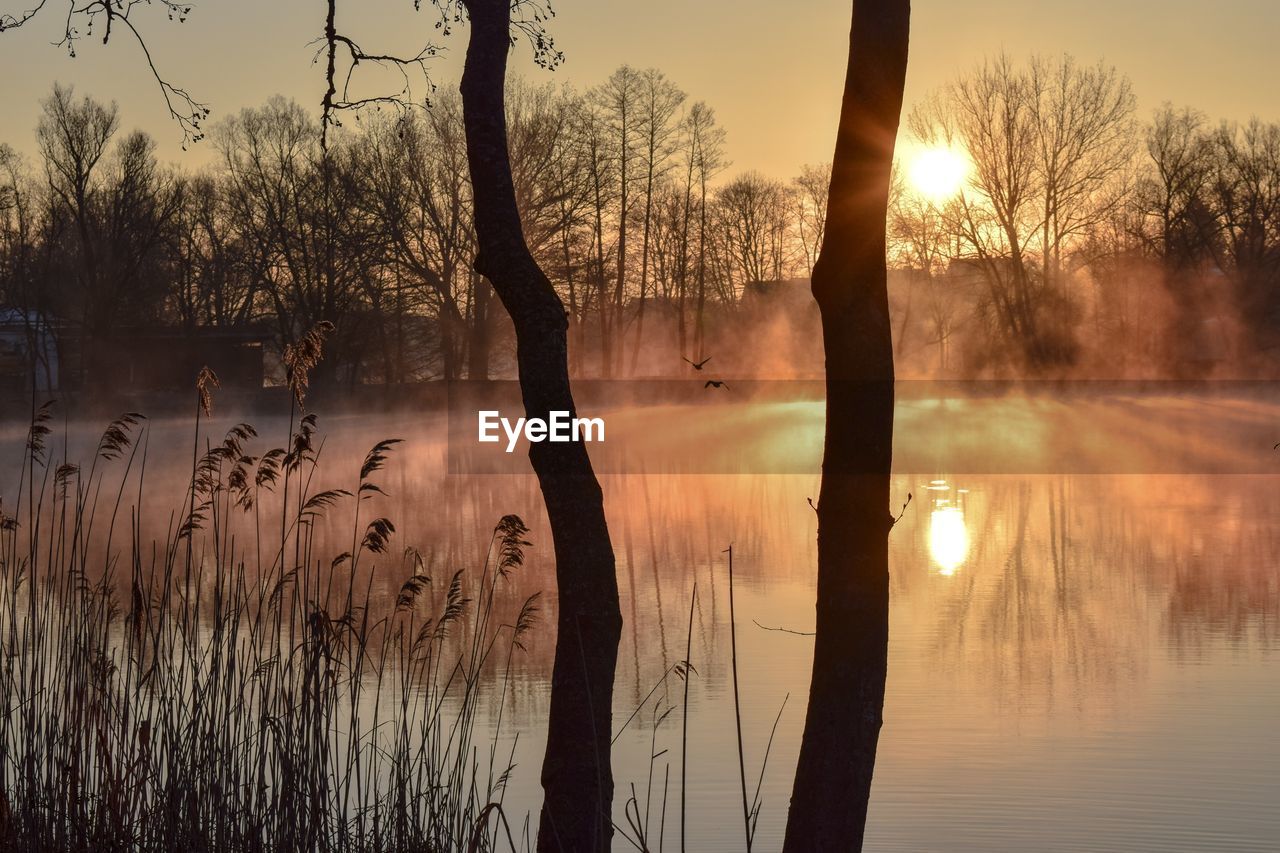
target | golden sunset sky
[{"x": 772, "y": 70}]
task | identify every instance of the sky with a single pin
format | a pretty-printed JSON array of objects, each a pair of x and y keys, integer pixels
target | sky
[{"x": 772, "y": 69}]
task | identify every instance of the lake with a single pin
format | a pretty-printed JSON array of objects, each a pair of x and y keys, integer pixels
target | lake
[{"x": 1085, "y": 616}]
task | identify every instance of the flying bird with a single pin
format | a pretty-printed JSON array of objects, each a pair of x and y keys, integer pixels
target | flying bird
[
  {"x": 698, "y": 365},
  {"x": 716, "y": 383}
]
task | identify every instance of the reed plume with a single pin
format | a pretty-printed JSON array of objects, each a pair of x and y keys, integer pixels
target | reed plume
[
  {"x": 165, "y": 696},
  {"x": 302, "y": 356}
]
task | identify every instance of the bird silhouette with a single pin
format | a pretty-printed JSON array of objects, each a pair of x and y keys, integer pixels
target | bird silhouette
[
  {"x": 698, "y": 365},
  {"x": 716, "y": 383}
]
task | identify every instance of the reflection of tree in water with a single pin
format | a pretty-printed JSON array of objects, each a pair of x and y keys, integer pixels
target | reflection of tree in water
[
  {"x": 1225, "y": 585},
  {"x": 1203, "y": 548},
  {"x": 669, "y": 532},
  {"x": 1072, "y": 579},
  {"x": 1068, "y": 585},
  {"x": 1065, "y": 583},
  {"x": 1029, "y": 615}
]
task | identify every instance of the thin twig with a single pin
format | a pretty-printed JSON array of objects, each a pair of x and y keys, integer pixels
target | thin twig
[{"x": 785, "y": 630}]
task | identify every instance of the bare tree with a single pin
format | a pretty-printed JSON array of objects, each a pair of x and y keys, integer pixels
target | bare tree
[
  {"x": 572, "y": 171},
  {"x": 809, "y": 199},
  {"x": 576, "y": 774},
  {"x": 753, "y": 214},
  {"x": 18, "y": 233},
  {"x": 620, "y": 104},
  {"x": 591, "y": 131},
  {"x": 660, "y": 101},
  {"x": 1246, "y": 201},
  {"x": 118, "y": 202},
  {"x": 300, "y": 205},
  {"x": 224, "y": 266},
  {"x": 1084, "y": 134},
  {"x": 141, "y": 201},
  {"x": 1048, "y": 144},
  {"x": 73, "y": 139},
  {"x": 1176, "y": 225},
  {"x": 1180, "y": 165},
  {"x": 705, "y": 159},
  {"x": 920, "y": 243},
  {"x": 846, "y": 695},
  {"x": 420, "y": 195}
]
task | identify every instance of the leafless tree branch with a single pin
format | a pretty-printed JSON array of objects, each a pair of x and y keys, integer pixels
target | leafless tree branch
[
  {"x": 338, "y": 99},
  {"x": 188, "y": 112}
]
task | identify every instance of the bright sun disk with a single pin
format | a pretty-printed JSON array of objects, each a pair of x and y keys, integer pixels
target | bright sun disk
[{"x": 937, "y": 174}]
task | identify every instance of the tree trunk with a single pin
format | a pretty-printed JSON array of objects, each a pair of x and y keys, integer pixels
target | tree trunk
[
  {"x": 846, "y": 695},
  {"x": 699, "y": 319},
  {"x": 644, "y": 255},
  {"x": 602, "y": 300},
  {"x": 479, "y": 340},
  {"x": 576, "y": 775}
]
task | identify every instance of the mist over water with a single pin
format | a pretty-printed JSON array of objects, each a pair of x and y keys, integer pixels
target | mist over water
[{"x": 1085, "y": 604}]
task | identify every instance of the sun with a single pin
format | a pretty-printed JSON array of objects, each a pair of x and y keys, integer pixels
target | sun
[{"x": 937, "y": 174}]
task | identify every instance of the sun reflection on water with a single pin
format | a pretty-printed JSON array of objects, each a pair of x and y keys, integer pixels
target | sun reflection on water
[{"x": 948, "y": 535}]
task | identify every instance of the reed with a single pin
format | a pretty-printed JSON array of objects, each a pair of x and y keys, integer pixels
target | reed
[
  {"x": 232, "y": 685},
  {"x": 219, "y": 689},
  {"x": 747, "y": 820}
]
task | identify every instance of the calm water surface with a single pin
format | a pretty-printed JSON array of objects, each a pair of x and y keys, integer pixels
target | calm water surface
[{"x": 1085, "y": 646}]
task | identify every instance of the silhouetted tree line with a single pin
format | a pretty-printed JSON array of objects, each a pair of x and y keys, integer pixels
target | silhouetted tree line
[
  {"x": 617, "y": 190},
  {"x": 1086, "y": 238},
  {"x": 1080, "y": 238}
]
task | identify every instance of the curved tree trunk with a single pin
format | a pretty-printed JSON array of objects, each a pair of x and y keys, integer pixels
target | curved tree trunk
[
  {"x": 576, "y": 775},
  {"x": 846, "y": 697}
]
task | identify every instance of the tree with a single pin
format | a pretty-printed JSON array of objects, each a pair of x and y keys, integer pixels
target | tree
[
  {"x": 560, "y": 190},
  {"x": 549, "y": 166},
  {"x": 73, "y": 139},
  {"x": 140, "y": 202},
  {"x": 1083, "y": 118},
  {"x": 300, "y": 206},
  {"x": 119, "y": 205},
  {"x": 576, "y": 774},
  {"x": 619, "y": 102},
  {"x": 660, "y": 100},
  {"x": 846, "y": 695},
  {"x": 1177, "y": 226},
  {"x": 591, "y": 131},
  {"x": 1173, "y": 187},
  {"x": 704, "y": 157},
  {"x": 809, "y": 191},
  {"x": 419, "y": 193},
  {"x": 920, "y": 243},
  {"x": 212, "y": 280},
  {"x": 1048, "y": 144},
  {"x": 753, "y": 215},
  {"x": 18, "y": 234},
  {"x": 1246, "y": 204}
]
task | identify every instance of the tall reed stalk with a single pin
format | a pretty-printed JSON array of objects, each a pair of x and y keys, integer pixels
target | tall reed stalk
[
  {"x": 737, "y": 705},
  {"x": 212, "y": 691}
]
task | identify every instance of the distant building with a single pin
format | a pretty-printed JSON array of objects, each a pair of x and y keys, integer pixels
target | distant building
[{"x": 28, "y": 350}]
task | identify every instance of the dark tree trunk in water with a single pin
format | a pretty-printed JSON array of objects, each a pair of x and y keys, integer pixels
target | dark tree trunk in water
[
  {"x": 576, "y": 776},
  {"x": 846, "y": 698}
]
